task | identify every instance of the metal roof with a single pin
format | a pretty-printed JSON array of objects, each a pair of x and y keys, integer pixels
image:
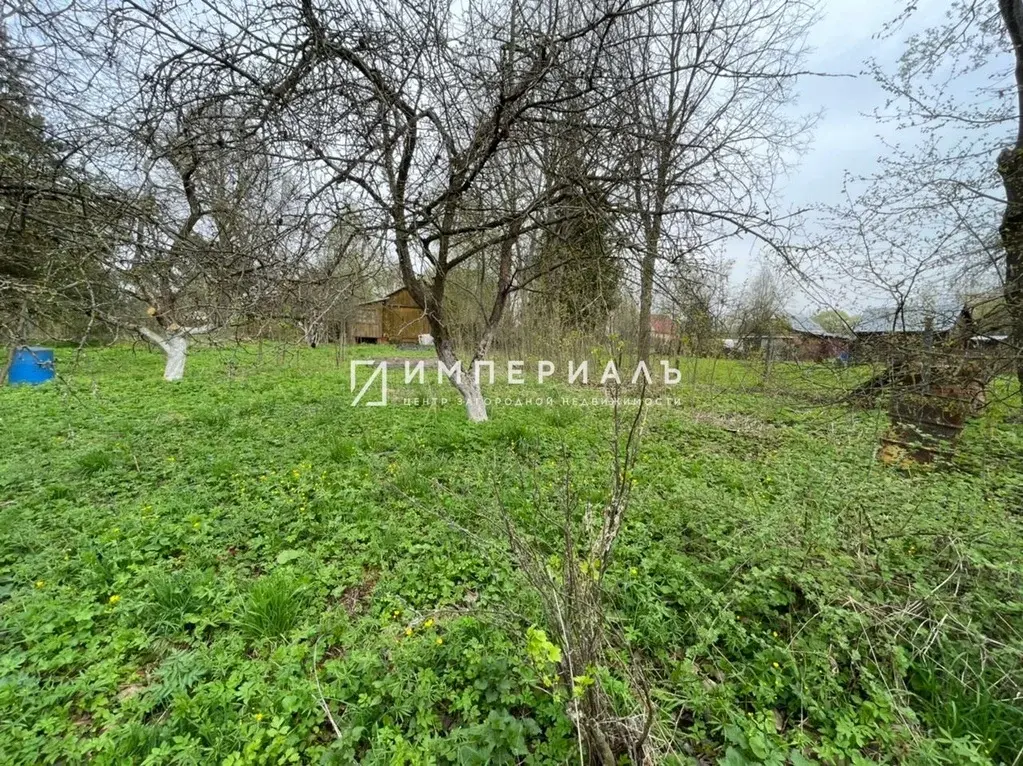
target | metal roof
[
  {"x": 381, "y": 300},
  {"x": 909, "y": 319},
  {"x": 809, "y": 326}
]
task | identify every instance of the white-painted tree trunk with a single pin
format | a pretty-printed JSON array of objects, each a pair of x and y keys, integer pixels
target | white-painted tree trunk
[
  {"x": 174, "y": 347},
  {"x": 475, "y": 406},
  {"x": 472, "y": 394},
  {"x": 176, "y": 350}
]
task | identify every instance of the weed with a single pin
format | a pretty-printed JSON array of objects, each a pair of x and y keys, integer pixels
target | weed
[
  {"x": 272, "y": 609},
  {"x": 787, "y": 599},
  {"x": 178, "y": 599},
  {"x": 94, "y": 461}
]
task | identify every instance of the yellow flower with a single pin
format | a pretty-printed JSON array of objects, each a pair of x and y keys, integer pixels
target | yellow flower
[
  {"x": 775, "y": 664},
  {"x": 40, "y": 583},
  {"x": 408, "y": 631},
  {"x": 197, "y": 525},
  {"x": 258, "y": 716},
  {"x": 114, "y": 599},
  {"x": 428, "y": 624},
  {"x": 774, "y": 633},
  {"x": 439, "y": 641},
  {"x": 396, "y": 613},
  {"x": 633, "y": 571}
]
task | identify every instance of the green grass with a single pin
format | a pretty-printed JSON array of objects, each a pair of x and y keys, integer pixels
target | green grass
[{"x": 187, "y": 570}]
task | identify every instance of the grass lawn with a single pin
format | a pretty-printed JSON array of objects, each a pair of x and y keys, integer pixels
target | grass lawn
[{"x": 243, "y": 568}]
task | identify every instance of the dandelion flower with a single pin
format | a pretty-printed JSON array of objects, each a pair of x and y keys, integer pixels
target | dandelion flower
[
  {"x": 40, "y": 583},
  {"x": 408, "y": 631},
  {"x": 258, "y": 716},
  {"x": 439, "y": 641},
  {"x": 114, "y": 599},
  {"x": 428, "y": 623},
  {"x": 775, "y": 665}
]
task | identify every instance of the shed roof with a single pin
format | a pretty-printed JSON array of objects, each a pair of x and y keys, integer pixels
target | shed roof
[
  {"x": 910, "y": 319},
  {"x": 808, "y": 326},
  {"x": 381, "y": 300}
]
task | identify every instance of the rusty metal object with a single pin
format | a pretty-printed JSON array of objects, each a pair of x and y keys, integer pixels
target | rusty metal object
[{"x": 927, "y": 419}]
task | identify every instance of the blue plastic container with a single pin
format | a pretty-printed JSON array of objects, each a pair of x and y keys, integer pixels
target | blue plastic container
[{"x": 32, "y": 365}]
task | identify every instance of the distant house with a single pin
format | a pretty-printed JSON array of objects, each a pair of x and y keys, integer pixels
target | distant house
[
  {"x": 814, "y": 343},
  {"x": 913, "y": 320},
  {"x": 395, "y": 318},
  {"x": 880, "y": 332},
  {"x": 796, "y": 338},
  {"x": 663, "y": 331}
]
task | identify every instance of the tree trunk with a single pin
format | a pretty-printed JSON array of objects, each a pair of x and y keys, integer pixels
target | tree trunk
[
  {"x": 646, "y": 301},
  {"x": 475, "y": 406},
  {"x": 176, "y": 349},
  {"x": 8, "y": 363},
  {"x": 466, "y": 385},
  {"x": 17, "y": 339},
  {"x": 1010, "y": 167}
]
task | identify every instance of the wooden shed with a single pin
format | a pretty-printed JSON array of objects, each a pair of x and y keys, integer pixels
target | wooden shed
[{"x": 395, "y": 318}]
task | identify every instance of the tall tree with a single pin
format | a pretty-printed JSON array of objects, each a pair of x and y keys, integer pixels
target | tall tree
[
  {"x": 710, "y": 128},
  {"x": 55, "y": 220},
  {"x": 1010, "y": 168},
  {"x": 956, "y": 174},
  {"x": 581, "y": 266}
]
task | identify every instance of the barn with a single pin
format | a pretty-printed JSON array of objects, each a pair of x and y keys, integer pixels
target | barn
[
  {"x": 814, "y": 343},
  {"x": 395, "y": 318},
  {"x": 884, "y": 333}
]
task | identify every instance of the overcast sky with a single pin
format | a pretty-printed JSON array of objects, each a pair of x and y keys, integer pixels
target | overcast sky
[{"x": 847, "y": 136}]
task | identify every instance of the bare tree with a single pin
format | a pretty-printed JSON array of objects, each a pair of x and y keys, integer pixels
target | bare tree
[
  {"x": 761, "y": 303},
  {"x": 432, "y": 117},
  {"x": 710, "y": 132},
  {"x": 57, "y": 220},
  {"x": 957, "y": 94},
  {"x": 206, "y": 231},
  {"x": 454, "y": 124}
]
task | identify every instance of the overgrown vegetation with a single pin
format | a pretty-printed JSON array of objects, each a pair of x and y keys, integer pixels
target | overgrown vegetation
[{"x": 241, "y": 568}]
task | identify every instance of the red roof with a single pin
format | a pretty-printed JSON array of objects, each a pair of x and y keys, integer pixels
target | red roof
[{"x": 662, "y": 324}]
